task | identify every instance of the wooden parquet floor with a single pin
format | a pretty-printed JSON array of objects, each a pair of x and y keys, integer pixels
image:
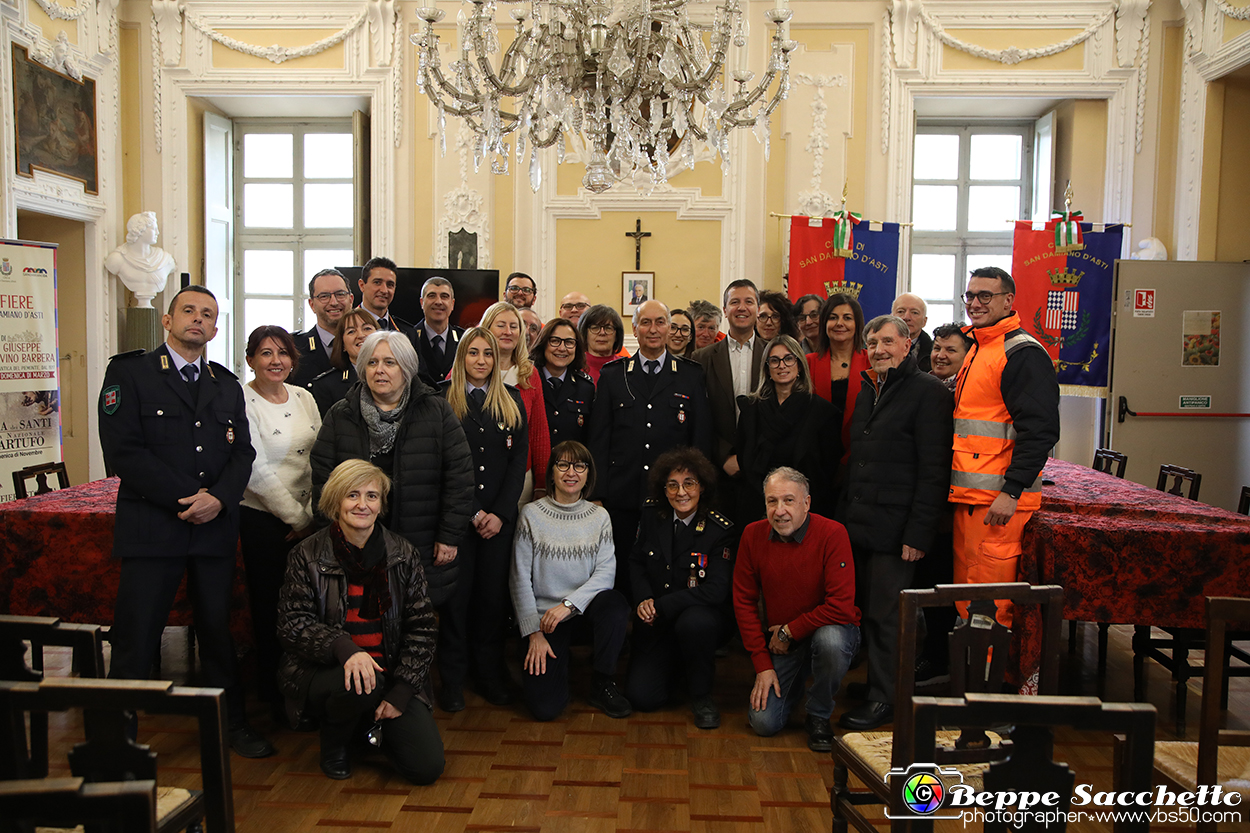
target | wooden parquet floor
[{"x": 589, "y": 773}]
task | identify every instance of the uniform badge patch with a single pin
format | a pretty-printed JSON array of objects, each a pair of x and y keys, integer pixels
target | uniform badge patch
[
  {"x": 112, "y": 399},
  {"x": 681, "y": 415},
  {"x": 230, "y": 435},
  {"x": 509, "y": 442},
  {"x": 581, "y": 420}
]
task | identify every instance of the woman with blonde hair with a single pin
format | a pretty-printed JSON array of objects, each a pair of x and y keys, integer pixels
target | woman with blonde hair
[
  {"x": 493, "y": 417},
  {"x": 504, "y": 322}
]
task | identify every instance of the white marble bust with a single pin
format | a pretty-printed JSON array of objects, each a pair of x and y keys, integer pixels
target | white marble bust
[{"x": 142, "y": 265}]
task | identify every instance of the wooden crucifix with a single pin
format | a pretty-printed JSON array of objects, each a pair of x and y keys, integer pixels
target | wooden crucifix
[{"x": 638, "y": 234}]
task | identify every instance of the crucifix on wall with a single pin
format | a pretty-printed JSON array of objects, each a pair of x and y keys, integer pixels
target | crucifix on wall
[
  {"x": 637, "y": 234},
  {"x": 636, "y": 286}
]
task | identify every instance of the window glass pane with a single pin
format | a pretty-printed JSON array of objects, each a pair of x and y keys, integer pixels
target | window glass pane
[
  {"x": 993, "y": 207},
  {"x": 328, "y": 156},
  {"x": 268, "y": 272},
  {"x": 995, "y": 157},
  {"x": 260, "y": 311},
  {"x": 933, "y": 207},
  {"x": 314, "y": 261},
  {"x": 933, "y": 276},
  {"x": 979, "y": 261},
  {"x": 937, "y": 156},
  {"x": 268, "y": 205},
  {"x": 328, "y": 206},
  {"x": 940, "y": 314},
  {"x": 268, "y": 155}
]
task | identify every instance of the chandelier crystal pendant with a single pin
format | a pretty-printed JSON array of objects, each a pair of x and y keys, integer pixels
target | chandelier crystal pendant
[{"x": 631, "y": 82}]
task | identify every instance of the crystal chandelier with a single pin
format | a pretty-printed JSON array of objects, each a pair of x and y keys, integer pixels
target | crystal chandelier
[{"x": 632, "y": 82}]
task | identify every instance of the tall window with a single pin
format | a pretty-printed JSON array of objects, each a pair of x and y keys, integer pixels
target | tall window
[
  {"x": 969, "y": 183},
  {"x": 295, "y": 199}
]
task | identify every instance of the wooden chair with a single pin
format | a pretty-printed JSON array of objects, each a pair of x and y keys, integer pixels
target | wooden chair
[
  {"x": 40, "y": 475},
  {"x": 1182, "y": 475},
  {"x": 1105, "y": 458},
  {"x": 1029, "y": 764},
  {"x": 1243, "y": 505},
  {"x": 978, "y": 659},
  {"x": 68, "y": 802},
  {"x": 108, "y": 755},
  {"x": 1220, "y": 756}
]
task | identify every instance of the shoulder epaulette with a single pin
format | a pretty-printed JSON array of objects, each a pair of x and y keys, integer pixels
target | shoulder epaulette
[
  {"x": 129, "y": 354},
  {"x": 684, "y": 359},
  {"x": 221, "y": 368},
  {"x": 581, "y": 374},
  {"x": 720, "y": 519},
  {"x": 326, "y": 373},
  {"x": 1018, "y": 340}
]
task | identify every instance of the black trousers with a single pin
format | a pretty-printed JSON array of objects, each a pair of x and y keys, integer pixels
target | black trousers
[
  {"x": 887, "y": 575},
  {"x": 937, "y": 567},
  {"x": 410, "y": 741},
  {"x": 603, "y": 623},
  {"x": 663, "y": 651},
  {"x": 144, "y": 599},
  {"x": 262, "y": 539},
  {"x": 624, "y": 533},
  {"x": 473, "y": 622}
]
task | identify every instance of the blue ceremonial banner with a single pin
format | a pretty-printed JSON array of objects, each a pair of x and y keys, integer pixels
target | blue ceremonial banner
[
  {"x": 1064, "y": 300},
  {"x": 869, "y": 274}
]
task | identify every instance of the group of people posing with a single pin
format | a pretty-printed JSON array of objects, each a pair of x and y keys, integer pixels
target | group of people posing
[{"x": 407, "y": 497}]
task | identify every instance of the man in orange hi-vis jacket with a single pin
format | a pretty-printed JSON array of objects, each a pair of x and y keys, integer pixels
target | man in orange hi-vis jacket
[{"x": 1006, "y": 422}]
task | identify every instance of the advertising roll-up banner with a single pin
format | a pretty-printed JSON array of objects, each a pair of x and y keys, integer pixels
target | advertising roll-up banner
[{"x": 30, "y": 383}]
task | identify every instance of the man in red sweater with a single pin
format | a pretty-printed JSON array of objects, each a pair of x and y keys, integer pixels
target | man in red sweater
[{"x": 801, "y": 564}]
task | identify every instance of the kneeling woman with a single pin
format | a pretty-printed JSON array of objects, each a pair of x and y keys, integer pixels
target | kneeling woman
[
  {"x": 563, "y": 568},
  {"x": 681, "y": 571},
  {"x": 358, "y": 628}
]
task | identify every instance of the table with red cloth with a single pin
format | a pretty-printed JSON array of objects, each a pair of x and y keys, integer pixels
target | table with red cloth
[
  {"x": 1128, "y": 554},
  {"x": 56, "y": 559}
]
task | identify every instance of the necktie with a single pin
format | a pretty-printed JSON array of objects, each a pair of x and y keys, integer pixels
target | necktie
[
  {"x": 190, "y": 372},
  {"x": 555, "y": 383},
  {"x": 437, "y": 342},
  {"x": 479, "y": 396},
  {"x": 653, "y": 366},
  {"x": 330, "y": 347}
]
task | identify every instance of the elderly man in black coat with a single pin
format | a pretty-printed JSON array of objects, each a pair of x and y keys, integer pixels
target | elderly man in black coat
[{"x": 897, "y": 482}]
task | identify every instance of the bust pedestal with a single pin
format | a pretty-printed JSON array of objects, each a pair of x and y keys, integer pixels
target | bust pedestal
[{"x": 143, "y": 330}]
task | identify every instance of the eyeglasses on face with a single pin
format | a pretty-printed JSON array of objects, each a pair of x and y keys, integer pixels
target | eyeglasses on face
[
  {"x": 680, "y": 331},
  {"x": 324, "y": 297},
  {"x": 578, "y": 307},
  {"x": 983, "y": 296},
  {"x": 570, "y": 343},
  {"x": 814, "y": 315},
  {"x": 768, "y": 317},
  {"x": 788, "y": 360},
  {"x": 602, "y": 329},
  {"x": 564, "y": 465},
  {"x": 672, "y": 487},
  {"x": 520, "y": 290}
]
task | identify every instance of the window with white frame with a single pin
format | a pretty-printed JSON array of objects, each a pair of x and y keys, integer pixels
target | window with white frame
[
  {"x": 969, "y": 183},
  {"x": 295, "y": 210}
]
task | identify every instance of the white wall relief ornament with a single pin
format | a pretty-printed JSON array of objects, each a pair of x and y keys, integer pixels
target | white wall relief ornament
[
  {"x": 1012, "y": 54},
  {"x": 274, "y": 53},
  {"x": 1235, "y": 12},
  {"x": 167, "y": 23},
  {"x": 815, "y": 201},
  {"x": 58, "y": 12}
]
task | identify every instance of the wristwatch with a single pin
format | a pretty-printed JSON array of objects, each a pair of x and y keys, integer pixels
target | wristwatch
[
  {"x": 570, "y": 606},
  {"x": 783, "y": 634}
]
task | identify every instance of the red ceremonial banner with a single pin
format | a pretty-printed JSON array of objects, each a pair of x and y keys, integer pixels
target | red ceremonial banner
[
  {"x": 812, "y": 262},
  {"x": 1033, "y": 256}
]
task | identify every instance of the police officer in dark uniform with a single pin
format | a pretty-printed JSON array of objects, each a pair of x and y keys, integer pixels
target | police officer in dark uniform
[
  {"x": 568, "y": 390},
  {"x": 681, "y": 568},
  {"x": 378, "y": 280},
  {"x": 329, "y": 297},
  {"x": 644, "y": 405},
  {"x": 173, "y": 426},
  {"x": 434, "y": 337},
  {"x": 474, "y": 622}
]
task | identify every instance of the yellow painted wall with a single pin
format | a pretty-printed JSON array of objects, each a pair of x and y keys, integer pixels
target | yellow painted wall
[
  {"x": 1167, "y": 130},
  {"x": 1232, "y": 243},
  {"x": 592, "y": 254},
  {"x": 1081, "y": 155},
  {"x": 954, "y": 59},
  {"x": 1212, "y": 153},
  {"x": 129, "y": 55},
  {"x": 225, "y": 58},
  {"x": 51, "y": 28}
]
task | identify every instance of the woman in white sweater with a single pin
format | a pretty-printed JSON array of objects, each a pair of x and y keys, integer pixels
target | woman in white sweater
[
  {"x": 563, "y": 568},
  {"x": 276, "y": 512}
]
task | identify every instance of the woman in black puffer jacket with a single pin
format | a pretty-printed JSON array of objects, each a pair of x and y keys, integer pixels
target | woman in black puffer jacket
[{"x": 397, "y": 422}]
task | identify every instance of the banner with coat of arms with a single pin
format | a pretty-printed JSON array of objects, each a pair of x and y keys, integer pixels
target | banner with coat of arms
[
  {"x": 844, "y": 254},
  {"x": 1064, "y": 299}
]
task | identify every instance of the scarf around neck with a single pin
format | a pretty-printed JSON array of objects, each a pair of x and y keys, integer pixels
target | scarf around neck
[
  {"x": 365, "y": 566},
  {"x": 383, "y": 425}
]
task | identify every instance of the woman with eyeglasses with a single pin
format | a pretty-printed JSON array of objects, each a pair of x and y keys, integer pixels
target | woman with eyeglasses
[
  {"x": 505, "y": 324},
  {"x": 681, "y": 333},
  {"x": 329, "y": 387},
  {"x": 563, "y": 568},
  {"x": 568, "y": 392},
  {"x": 493, "y": 417},
  {"x": 807, "y": 316},
  {"x": 681, "y": 571},
  {"x": 776, "y": 317},
  {"x": 837, "y": 365},
  {"x": 604, "y": 333},
  {"x": 783, "y": 423}
]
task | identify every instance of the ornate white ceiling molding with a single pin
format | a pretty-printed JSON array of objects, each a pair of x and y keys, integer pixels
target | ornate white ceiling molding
[{"x": 58, "y": 12}]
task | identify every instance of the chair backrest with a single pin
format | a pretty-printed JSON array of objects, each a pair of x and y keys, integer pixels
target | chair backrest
[
  {"x": 1028, "y": 763},
  {"x": 126, "y": 805},
  {"x": 979, "y": 648},
  {"x": 1181, "y": 474},
  {"x": 1243, "y": 505},
  {"x": 1105, "y": 458},
  {"x": 108, "y": 754},
  {"x": 1222, "y": 611},
  {"x": 40, "y": 475}
]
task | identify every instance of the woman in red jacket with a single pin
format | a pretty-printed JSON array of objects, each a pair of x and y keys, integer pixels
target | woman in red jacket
[{"x": 840, "y": 357}]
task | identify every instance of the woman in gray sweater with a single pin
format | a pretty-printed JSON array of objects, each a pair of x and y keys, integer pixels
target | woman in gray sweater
[{"x": 563, "y": 569}]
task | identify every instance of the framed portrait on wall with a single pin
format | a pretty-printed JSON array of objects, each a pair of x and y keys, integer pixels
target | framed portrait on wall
[
  {"x": 56, "y": 122},
  {"x": 636, "y": 287}
]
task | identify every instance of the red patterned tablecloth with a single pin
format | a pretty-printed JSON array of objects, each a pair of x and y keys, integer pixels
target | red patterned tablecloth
[{"x": 56, "y": 559}]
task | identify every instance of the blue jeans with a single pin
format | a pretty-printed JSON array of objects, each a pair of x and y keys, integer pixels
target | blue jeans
[{"x": 827, "y": 655}]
